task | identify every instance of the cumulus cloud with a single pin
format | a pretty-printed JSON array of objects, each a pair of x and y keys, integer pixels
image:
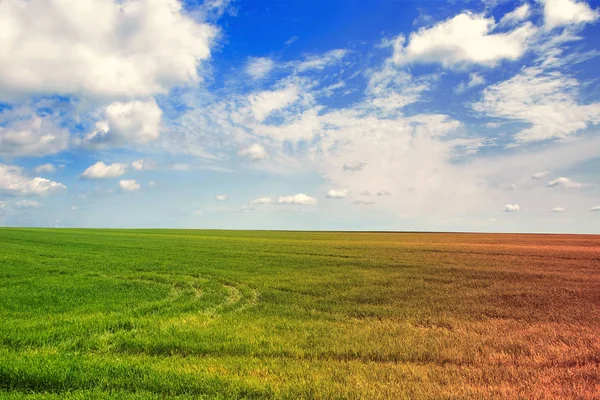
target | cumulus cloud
[
  {"x": 565, "y": 183},
  {"x": 259, "y": 67},
  {"x": 264, "y": 103},
  {"x": 597, "y": 208},
  {"x": 383, "y": 193},
  {"x": 540, "y": 175},
  {"x": 255, "y": 152},
  {"x": 131, "y": 122},
  {"x": 558, "y": 210},
  {"x": 262, "y": 200},
  {"x": 221, "y": 197},
  {"x": 103, "y": 171},
  {"x": 544, "y": 99},
  {"x": 354, "y": 166},
  {"x": 48, "y": 168},
  {"x": 566, "y": 12},
  {"x": 512, "y": 208},
  {"x": 475, "y": 80},
  {"x": 23, "y": 204},
  {"x": 14, "y": 182},
  {"x": 464, "y": 39},
  {"x": 338, "y": 194},
  {"x": 299, "y": 198},
  {"x": 132, "y": 48},
  {"x": 30, "y": 135},
  {"x": 143, "y": 165},
  {"x": 129, "y": 185},
  {"x": 410, "y": 155},
  {"x": 319, "y": 62}
]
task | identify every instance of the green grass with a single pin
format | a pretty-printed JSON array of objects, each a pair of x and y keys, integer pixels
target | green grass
[{"x": 240, "y": 314}]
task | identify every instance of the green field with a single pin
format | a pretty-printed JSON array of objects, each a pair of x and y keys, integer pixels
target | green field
[{"x": 240, "y": 314}]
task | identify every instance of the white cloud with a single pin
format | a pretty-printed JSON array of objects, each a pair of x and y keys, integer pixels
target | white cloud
[
  {"x": 493, "y": 125},
  {"x": 383, "y": 193},
  {"x": 391, "y": 88},
  {"x": 129, "y": 185},
  {"x": 48, "y": 168},
  {"x": 264, "y": 103},
  {"x": 475, "y": 80},
  {"x": 102, "y": 171},
  {"x": 519, "y": 14},
  {"x": 259, "y": 67},
  {"x": 413, "y": 156},
  {"x": 394, "y": 100},
  {"x": 23, "y": 204},
  {"x": 331, "y": 89},
  {"x": 354, "y": 166},
  {"x": 198, "y": 213},
  {"x": 464, "y": 39},
  {"x": 565, "y": 183},
  {"x": 291, "y": 40},
  {"x": 322, "y": 61},
  {"x": 212, "y": 10},
  {"x": 338, "y": 194},
  {"x": 143, "y": 165},
  {"x": 13, "y": 182},
  {"x": 402, "y": 153},
  {"x": 262, "y": 200},
  {"x": 221, "y": 197},
  {"x": 597, "y": 208},
  {"x": 544, "y": 99},
  {"x": 558, "y": 210},
  {"x": 300, "y": 126},
  {"x": 299, "y": 198},
  {"x": 540, "y": 175},
  {"x": 566, "y": 12},
  {"x": 512, "y": 208},
  {"x": 30, "y": 135},
  {"x": 255, "y": 152},
  {"x": 122, "y": 123},
  {"x": 132, "y": 48}
]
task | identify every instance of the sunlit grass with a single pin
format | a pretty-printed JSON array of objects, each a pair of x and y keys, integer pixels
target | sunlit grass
[{"x": 218, "y": 314}]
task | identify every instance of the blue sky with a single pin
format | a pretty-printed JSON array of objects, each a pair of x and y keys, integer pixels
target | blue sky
[{"x": 360, "y": 115}]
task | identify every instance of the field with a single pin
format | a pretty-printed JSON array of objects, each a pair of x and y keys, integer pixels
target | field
[{"x": 240, "y": 314}]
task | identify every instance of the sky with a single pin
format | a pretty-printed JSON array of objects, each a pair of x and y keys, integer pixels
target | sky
[{"x": 479, "y": 115}]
